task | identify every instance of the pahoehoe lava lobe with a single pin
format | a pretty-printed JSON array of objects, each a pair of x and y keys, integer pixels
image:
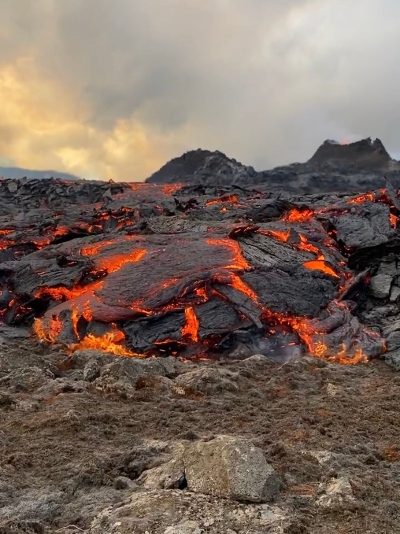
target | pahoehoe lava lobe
[{"x": 201, "y": 270}]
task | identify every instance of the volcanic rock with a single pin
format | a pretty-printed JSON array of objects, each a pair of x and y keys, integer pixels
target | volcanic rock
[
  {"x": 174, "y": 511},
  {"x": 232, "y": 468},
  {"x": 199, "y": 165},
  {"x": 208, "y": 381},
  {"x": 393, "y": 341},
  {"x": 394, "y": 293},
  {"x": 185, "y": 527},
  {"x": 169, "y": 475},
  {"x": 380, "y": 285},
  {"x": 359, "y": 166},
  {"x": 393, "y": 359},
  {"x": 337, "y": 495},
  {"x": 365, "y": 154}
]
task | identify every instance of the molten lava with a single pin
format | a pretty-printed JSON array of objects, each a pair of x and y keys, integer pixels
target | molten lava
[
  {"x": 191, "y": 328},
  {"x": 63, "y": 293},
  {"x": 362, "y": 198},
  {"x": 111, "y": 342},
  {"x": 190, "y": 272},
  {"x": 116, "y": 262},
  {"x": 299, "y": 216},
  {"x": 238, "y": 261},
  {"x": 276, "y": 234},
  {"x": 320, "y": 265},
  {"x": 228, "y": 198}
]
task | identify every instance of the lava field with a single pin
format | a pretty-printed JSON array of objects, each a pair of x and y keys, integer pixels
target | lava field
[{"x": 200, "y": 271}]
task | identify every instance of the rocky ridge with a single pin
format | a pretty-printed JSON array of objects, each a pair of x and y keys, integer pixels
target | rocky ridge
[{"x": 356, "y": 167}]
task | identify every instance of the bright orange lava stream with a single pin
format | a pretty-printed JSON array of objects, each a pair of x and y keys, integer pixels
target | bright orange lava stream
[
  {"x": 110, "y": 342},
  {"x": 63, "y": 293},
  {"x": 191, "y": 328},
  {"x": 320, "y": 265},
  {"x": 111, "y": 264},
  {"x": 230, "y": 198},
  {"x": 92, "y": 250},
  {"x": 362, "y": 198},
  {"x": 116, "y": 262},
  {"x": 113, "y": 340},
  {"x": 296, "y": 215},
  {"x": 276, "y": 234},
  {"x": 238, "y": 284},
  {"x": 239, "y": 262}
]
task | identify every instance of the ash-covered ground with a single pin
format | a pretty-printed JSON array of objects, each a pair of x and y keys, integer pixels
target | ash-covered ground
[{"x": 195, "y": 358}]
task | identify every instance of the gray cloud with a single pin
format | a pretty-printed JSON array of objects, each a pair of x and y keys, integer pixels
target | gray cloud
[{"x": 264, "y": 81}]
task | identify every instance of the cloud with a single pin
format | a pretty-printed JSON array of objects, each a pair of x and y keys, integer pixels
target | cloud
[{"x": 114, "y": 89}]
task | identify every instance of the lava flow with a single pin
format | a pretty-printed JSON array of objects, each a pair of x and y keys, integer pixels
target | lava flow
[{"x": 188, "y": 281}]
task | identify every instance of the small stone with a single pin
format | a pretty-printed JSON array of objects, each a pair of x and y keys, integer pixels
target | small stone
[
  {"x": 208, "y": 380},
  {"x": 393, "y": 341},
  {"x": 322, "y": 457},
  {"x": 92, "y": 369},
  {"x": 272, "y": 516},
  {"x": 393, "y": 359},
  {"x": 230, "y": 467},
  {"x": 337, "y": 494},
  {"x": 170, "y": 475},
  {"x": 380, "y": 285},
  {"x": 187, "y": 527},
  {"x": 332, "y": 390},
  {"x": 394, "y": 293},
  {"x": 121, "y": 483},
  {"x": 12, "y": 187}
]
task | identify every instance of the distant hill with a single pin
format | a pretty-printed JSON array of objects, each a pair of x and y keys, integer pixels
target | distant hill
[
  {"x": 364, "y": 154},
  {"x": 17, "y": 172},
  {"x": 199, "y": 164},
  {"x": 356, "y": 167}
]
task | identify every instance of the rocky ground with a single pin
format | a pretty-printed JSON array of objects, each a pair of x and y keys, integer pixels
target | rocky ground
[{"x": 96, "y": 444}]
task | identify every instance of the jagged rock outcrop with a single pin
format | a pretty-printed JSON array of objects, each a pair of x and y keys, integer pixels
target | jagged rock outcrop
[
  {"x": 356, "y": 167},
  {"x": 201, "y": 166},
  {"x": 364, "y": 154}
]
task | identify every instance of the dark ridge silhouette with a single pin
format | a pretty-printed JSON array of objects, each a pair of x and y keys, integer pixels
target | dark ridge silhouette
[
  {"x": 365, "y": 154},
  {"x": 356, "y": 167},
  {"x": 17, "y": 173}
]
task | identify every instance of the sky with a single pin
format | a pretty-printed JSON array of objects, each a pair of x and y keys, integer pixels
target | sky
[{"x": 112, "y": 89}]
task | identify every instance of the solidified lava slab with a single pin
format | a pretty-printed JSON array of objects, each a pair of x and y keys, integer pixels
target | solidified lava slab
[{"x": 151, "y": 269}]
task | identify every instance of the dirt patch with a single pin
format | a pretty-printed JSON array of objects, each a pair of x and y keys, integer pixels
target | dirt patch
[{"x": 66, "y": 441}]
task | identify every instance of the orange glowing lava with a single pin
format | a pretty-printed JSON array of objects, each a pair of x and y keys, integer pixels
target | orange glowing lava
[
  {"x": 228, "y": 198},
  {"x": 48, "y": 334},
  {"x": 367, "y": 197},
  {"x": 320, "y": 265},
  {"x": 115, "y": 263},
  {"x": 393, "y": 220},
  {"x": 296, "y": 215},
  {"x": 92, "y": 250},
  {"x": 110, "y": 343},
  {"x": 169, "y": 190},
  {"x": 276, "y": 234},
  {"x": 63, "y": 293},
  {"x": 61, "y": 230},
  {"x": 309, "y": 247},
  {"x": 238, "y": 284},
  {"x": 238, "y": 261},
  {"x": 191, "y": 328}
]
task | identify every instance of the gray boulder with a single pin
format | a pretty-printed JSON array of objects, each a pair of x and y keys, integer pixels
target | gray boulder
[{"x": 232, "y": 468}]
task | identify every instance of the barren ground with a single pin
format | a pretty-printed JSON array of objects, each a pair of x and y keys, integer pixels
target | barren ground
[{"x": 63, "y": 441}]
